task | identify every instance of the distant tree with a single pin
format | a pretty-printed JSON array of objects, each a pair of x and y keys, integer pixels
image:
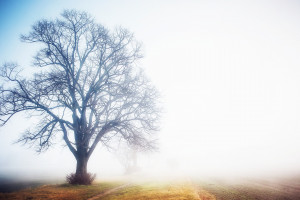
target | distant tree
[
  {"x": 127, "y": 156},
  {"x": 86, "y": 88}
]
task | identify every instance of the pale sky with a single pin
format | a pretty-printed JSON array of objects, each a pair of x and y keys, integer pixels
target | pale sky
[{"x": 228, "y": 72}]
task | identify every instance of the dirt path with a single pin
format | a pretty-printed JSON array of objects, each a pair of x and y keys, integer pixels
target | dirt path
[{"x": 109, "y": 191}]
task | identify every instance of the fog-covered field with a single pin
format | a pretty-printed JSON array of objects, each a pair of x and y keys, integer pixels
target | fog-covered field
[{"x": 129, "y": 189}]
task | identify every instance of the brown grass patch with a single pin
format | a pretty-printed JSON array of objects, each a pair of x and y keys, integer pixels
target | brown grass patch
[
  {"x": 205, "y": 195},
  {"x": 155, "y": 191},
  {"x": 250, "y": 191},
  {"x": 61, "y": 192}
]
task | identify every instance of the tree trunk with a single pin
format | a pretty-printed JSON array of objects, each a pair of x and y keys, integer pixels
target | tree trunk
[
  {"x": 81, "y": 167},
  {"x": 81, "y": 176}
]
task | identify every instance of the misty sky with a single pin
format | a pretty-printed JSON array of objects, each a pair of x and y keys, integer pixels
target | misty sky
[{"x": 228, "y": 72}]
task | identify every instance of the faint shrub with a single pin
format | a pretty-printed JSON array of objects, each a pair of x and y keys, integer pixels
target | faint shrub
[{"x": 81, "y": 179}]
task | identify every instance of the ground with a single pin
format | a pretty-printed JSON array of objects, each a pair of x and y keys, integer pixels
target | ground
[
  {"x": 60, "y": 192},
  {"x": 172, "y": 190}
]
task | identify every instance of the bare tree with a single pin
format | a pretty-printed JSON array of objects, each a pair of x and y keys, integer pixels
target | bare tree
[
  {"x": 86, "y": 88},
  {"x": 128, "y": 156}
]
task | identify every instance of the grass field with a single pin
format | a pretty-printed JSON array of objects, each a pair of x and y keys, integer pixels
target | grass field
[
  {"x": 151, "y": 191},
  {"x": 60, "y": 192},
  {"x": 185, "y": 190},
  {"x": 254, "y": 189}
]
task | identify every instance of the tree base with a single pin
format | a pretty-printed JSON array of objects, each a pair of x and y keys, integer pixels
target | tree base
[{"x": 81, "y": 179}]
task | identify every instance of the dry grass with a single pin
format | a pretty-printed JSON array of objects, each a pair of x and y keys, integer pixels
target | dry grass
[
  {"x": 251, "y": 191},
  {"x": 151, "y": 191},
  {"x": 145, "y": 191},
  {"x": 162, "y": 191},
  {"x": 61, "y": 192},
  {"x": 205, "y": 195}
]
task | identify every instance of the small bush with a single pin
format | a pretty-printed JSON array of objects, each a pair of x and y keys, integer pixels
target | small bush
[{"x": 81, "y": 179}]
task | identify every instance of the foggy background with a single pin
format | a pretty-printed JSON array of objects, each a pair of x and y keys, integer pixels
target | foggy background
[{"x": 228, "y": 72}]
